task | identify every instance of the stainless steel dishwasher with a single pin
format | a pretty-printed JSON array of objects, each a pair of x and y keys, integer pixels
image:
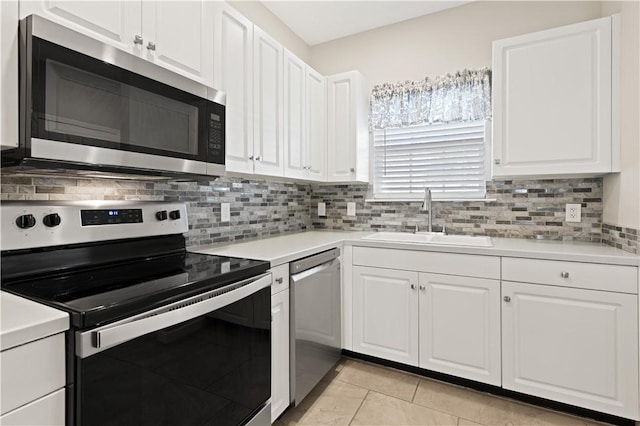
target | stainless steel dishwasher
[{"x": 316, "y": 336}]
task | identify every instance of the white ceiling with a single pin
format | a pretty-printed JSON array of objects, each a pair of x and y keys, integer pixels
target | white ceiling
[{"x": 318, "y": 21}]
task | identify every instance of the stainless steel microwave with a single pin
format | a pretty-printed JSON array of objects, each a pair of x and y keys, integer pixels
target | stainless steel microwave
[{"x": 85, "y": 105}]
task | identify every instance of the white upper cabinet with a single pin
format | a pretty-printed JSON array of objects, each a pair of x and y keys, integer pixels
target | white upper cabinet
[
  {"x": 9, "y": 73},
  {"x": 316, "y": 125},
  {"x": 295, "y": 164},
  {"x": 305, "y": 112},
  {"x": 552, "y": 102},
  {"x": 177, "y": 35},
  {"x": 113, "y": 22},
  {"x": 268, "y": 141},
  {"x": 233, "y": 74},
  {"x": 347, "y": 132}
]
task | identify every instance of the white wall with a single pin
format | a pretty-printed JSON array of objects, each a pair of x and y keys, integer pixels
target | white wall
[
  {"x": 443, "y": 42},
  {"x": 622, "y": 191},
  {"x": 272, "y": 25},
  {"x": 461, "y": 37}
]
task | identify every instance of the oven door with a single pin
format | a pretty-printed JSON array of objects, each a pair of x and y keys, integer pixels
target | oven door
[{"x": 205, "y": 360}]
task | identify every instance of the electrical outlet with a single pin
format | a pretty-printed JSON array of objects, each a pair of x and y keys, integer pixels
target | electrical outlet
[
  {"x": 225, "y": 212},
  {"x": 351, "y": 209},
  {"x": 322, "y": 209},
  {"x": 573, "y": 212}
]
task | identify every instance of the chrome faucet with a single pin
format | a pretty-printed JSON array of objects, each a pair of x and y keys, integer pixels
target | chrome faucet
[{"x": 426, "y": 206}]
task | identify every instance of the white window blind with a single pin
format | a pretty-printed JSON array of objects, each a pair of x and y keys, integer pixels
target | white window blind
[{"x": 447, "y": 158}]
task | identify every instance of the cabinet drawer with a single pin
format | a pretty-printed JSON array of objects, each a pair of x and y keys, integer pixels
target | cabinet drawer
[
  {"x": 31, "y": 371},
  {"x": 48, "y": 410},
  {"x": 280, "y": 278},
  {"x": 421, "y": 261},
  {"x": 623, "y": 279}
]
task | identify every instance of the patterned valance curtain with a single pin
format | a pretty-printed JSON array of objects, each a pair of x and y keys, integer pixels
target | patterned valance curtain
[{"x": 463, "y": 96}]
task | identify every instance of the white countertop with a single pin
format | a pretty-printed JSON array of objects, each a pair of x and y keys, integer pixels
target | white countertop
[
  {"x": 286, "y": 248},
  {"x": 23, "y": 321}
]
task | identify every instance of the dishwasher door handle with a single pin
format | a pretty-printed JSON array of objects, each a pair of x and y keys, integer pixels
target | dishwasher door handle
[{"x": 304, "y": 274}]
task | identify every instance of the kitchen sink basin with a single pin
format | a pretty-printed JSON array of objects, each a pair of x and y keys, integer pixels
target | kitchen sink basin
[{"x": 431, "y": 238}]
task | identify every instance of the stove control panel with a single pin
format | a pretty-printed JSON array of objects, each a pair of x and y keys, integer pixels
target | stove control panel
[{"x": 31, "y": 224}]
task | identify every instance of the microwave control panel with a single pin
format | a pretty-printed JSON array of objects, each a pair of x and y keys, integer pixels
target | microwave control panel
[{"x": 216, "y": 139}]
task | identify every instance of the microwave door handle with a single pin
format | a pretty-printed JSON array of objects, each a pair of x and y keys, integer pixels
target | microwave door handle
[{"x": 110, "y": 336}]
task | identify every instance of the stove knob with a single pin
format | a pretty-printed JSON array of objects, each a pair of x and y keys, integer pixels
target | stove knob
[
  {"x": 51, "y": 220},
  {"x": 174, "y": 214},
  {"x": 161, "y": 215},
  {"x": 26, "y": 221}
]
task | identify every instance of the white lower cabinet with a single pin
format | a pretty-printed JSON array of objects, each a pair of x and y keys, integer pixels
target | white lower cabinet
[
  {"x": 460, "y": 326},
  {"x": 385, "y": 313},
  {"x": 571, "y": 345},
  {"x": 279, "y": 341}
]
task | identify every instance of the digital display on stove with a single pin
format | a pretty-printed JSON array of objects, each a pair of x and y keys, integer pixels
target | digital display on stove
[{"x": 110, "y": 217}]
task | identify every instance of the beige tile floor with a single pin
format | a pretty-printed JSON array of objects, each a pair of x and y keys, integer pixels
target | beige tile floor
[{"x": 359, "y": 393}]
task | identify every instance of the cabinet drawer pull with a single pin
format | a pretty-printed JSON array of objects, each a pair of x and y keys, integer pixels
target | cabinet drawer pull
[
  {"x": 279, "y": 280},
  {"x": 507, "y": 299},
  {"x": 496, "y": 161},
  {"x": 137, "y": 39},
  {"x": 564, "y": 274}
]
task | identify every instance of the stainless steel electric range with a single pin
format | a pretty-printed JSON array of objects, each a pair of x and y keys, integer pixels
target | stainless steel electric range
[{"x": 159, "y": 335}]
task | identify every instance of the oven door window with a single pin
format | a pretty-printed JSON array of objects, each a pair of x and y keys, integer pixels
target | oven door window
[
  {"x": 212, "y": 370},
  {"x": 82, "y": 100}
]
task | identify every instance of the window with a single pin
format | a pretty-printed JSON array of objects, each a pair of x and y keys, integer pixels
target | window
[{"x": 447, "y": 158}]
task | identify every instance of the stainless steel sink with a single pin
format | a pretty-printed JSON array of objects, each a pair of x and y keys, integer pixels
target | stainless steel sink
[{"x": 431, "y": 238}]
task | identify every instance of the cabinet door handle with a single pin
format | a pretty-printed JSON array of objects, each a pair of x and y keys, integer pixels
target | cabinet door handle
[
  {"x": 564, "y": 274},
  {"x": 137, "y": 39},
  {"x": 279, "y": 280},
  {"x": 413, "y": 286},
  {"x": 507, "y": 299},
  {"x": 352, "y": 170},
  {"x": 423, "y": 288},
  {"x": 257, "y": 158},
  {"x": 251, "y": 157},
  {"x": 496, "y": 161},
  {"x": 151, "y": 46}
]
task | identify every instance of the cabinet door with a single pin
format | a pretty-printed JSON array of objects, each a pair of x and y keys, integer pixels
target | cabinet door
[
  {"x": 233, "y": 74},
  {"x": 178, "y": 35},
  {"x": 347, "y": 132},
  {"x": 113, "y": 22},
  {"x": 316, "y": 124},
  {"x": 279, "y": 353},
  {"x": 9, "y": 72},
  {"x": 385, "y": 313},
  {"x": 571, "y": 345},
  {"x": 552, "y": 102},
  {"x": 268, "y": 142},
  {"x": 460, "y": 326},
  {"x": 294, "y": 116}
]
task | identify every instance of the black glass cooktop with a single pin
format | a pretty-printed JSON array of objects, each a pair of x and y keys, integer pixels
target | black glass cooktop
[{"x": 101, "y": 294}]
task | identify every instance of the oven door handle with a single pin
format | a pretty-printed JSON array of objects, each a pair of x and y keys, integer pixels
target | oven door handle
[{"x": 94, "y": 341}]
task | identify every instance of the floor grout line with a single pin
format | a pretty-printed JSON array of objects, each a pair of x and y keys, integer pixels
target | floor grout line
[{"x": 359, "y": 407}]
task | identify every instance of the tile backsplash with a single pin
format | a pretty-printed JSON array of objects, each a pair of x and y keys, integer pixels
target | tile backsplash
[
  {"x": 531, "y": 209},
  {"x": 258, "y": 208}
]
